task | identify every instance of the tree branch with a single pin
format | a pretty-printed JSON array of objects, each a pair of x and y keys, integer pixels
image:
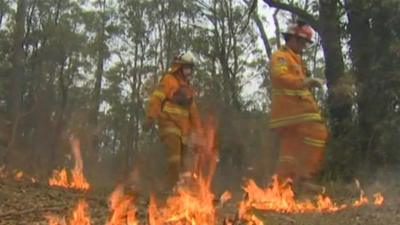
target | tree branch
[
  {"x": 310, "y": 19},
  {"x": 252, "y": 12},
  {"x": 277, "y": 28}
]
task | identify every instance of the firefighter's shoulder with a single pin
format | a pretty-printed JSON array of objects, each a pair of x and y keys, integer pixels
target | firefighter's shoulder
[
  {"x": 279, "y": 57},
  {"x": 169, "y": 78}
]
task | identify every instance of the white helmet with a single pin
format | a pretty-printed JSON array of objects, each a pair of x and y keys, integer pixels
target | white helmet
[{"x": 185, "y": 58}]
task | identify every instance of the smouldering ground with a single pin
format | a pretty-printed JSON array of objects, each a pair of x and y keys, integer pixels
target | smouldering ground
[{"x": 25, "y": 203}]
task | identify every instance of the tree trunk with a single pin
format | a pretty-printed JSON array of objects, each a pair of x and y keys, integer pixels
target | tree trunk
[
  {"x": 372, "y": 34},
  {"x": 98, "y": 80},
  {"x": 361, "y": 46},
  {"x": 18, "y": 59},
  {"x": 339, "y": 105},
  {"x": 277, "y": 29}
]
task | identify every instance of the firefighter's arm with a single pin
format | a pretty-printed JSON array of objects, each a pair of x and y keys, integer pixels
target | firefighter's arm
[
  {"x": 163, "y": 92},
  {"x": 281, "y": 73}
]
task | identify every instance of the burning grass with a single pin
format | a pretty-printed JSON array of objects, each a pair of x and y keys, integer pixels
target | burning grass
[
  {"x": 192, "y": 202},
  {"x": 76, "y": 179}
]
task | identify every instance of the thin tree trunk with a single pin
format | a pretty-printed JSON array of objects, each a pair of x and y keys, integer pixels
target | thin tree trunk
[
  {"x": 263, "y": 34},
  {"x": 360, "y": 54},
  {"x": 277, "y": 28},
  {"x": 338, "y": 103},
  {"x": 99, "y": 66},
  {"x": 101, "y": 51},
  {"x": 18, "y": 58}
]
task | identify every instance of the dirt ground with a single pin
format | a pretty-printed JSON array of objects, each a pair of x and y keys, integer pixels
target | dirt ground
[{"x": 22, "y": 202}]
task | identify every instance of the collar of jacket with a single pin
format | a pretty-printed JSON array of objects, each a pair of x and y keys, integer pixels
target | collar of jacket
[{"x": 294, "y": 55}]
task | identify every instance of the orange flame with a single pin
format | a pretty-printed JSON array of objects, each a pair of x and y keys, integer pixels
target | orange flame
[
  {"x": 378, "y": 199},
  {"x": 55, "y": 220},
  {"x": 188, "y": 206},
  {"x": 60, "y": 177},
  {"x": 280, "y": 197},
  {"x": 79, "y": 216},
  {"x": 19, "y": 175},
  {"x": 226, "y": 196},
  {"x": 79, "y": 180},
  {"x": 192, "y": 203},
  {"x": 363, "y": 199},
  {"x": 122, "y": 210}
]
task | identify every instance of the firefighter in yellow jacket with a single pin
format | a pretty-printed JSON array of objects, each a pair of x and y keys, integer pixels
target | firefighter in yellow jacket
[
  {"x": 173, "y": 107},
  {"x": 295, "y": 115}
]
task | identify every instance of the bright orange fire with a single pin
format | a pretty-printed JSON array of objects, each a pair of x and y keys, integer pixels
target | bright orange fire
[
  {"x": 19, "y": 175},
  {"x": 122, "y": 209},
  {"x": 188, "y": 206},
  {"x": 55, "y": 220},
  {"x": 59, "y": 178},
  {"x": 280, "y": 197},
  {"x": 192, "y": 203},
  {"x": 78, "y": 180},
  {"x": 79, "y": 216},
  {"x": 378, "y": 199},
  {"x": 363, "y": 200}
]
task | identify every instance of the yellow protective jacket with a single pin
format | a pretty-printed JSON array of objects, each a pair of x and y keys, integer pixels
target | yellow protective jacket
[
  {"x": 173, "y": 118},
  {"x": 291, "y": 102}
]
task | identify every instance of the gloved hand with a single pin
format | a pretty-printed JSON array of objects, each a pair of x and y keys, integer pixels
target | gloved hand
[
  {"x": 148, "y": 123},
  {"x": 313, "y": 82}
]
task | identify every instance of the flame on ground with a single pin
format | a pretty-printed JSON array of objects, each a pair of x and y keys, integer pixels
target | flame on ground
[
  {"x": 55, "y": 220},
  {"x": 79, "y": 216},
  {"x": 60, "y": 178},
  {"x": 122, "y": 209},
  {"x": 378, "y": 199},
  {"x": 192, "y": 205},
  {"x": 192, "y": 201},
  {"x": 78, "y": 180},
  {"x": 281, "y": 198},
  {"x": 363, "y": 200}
]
